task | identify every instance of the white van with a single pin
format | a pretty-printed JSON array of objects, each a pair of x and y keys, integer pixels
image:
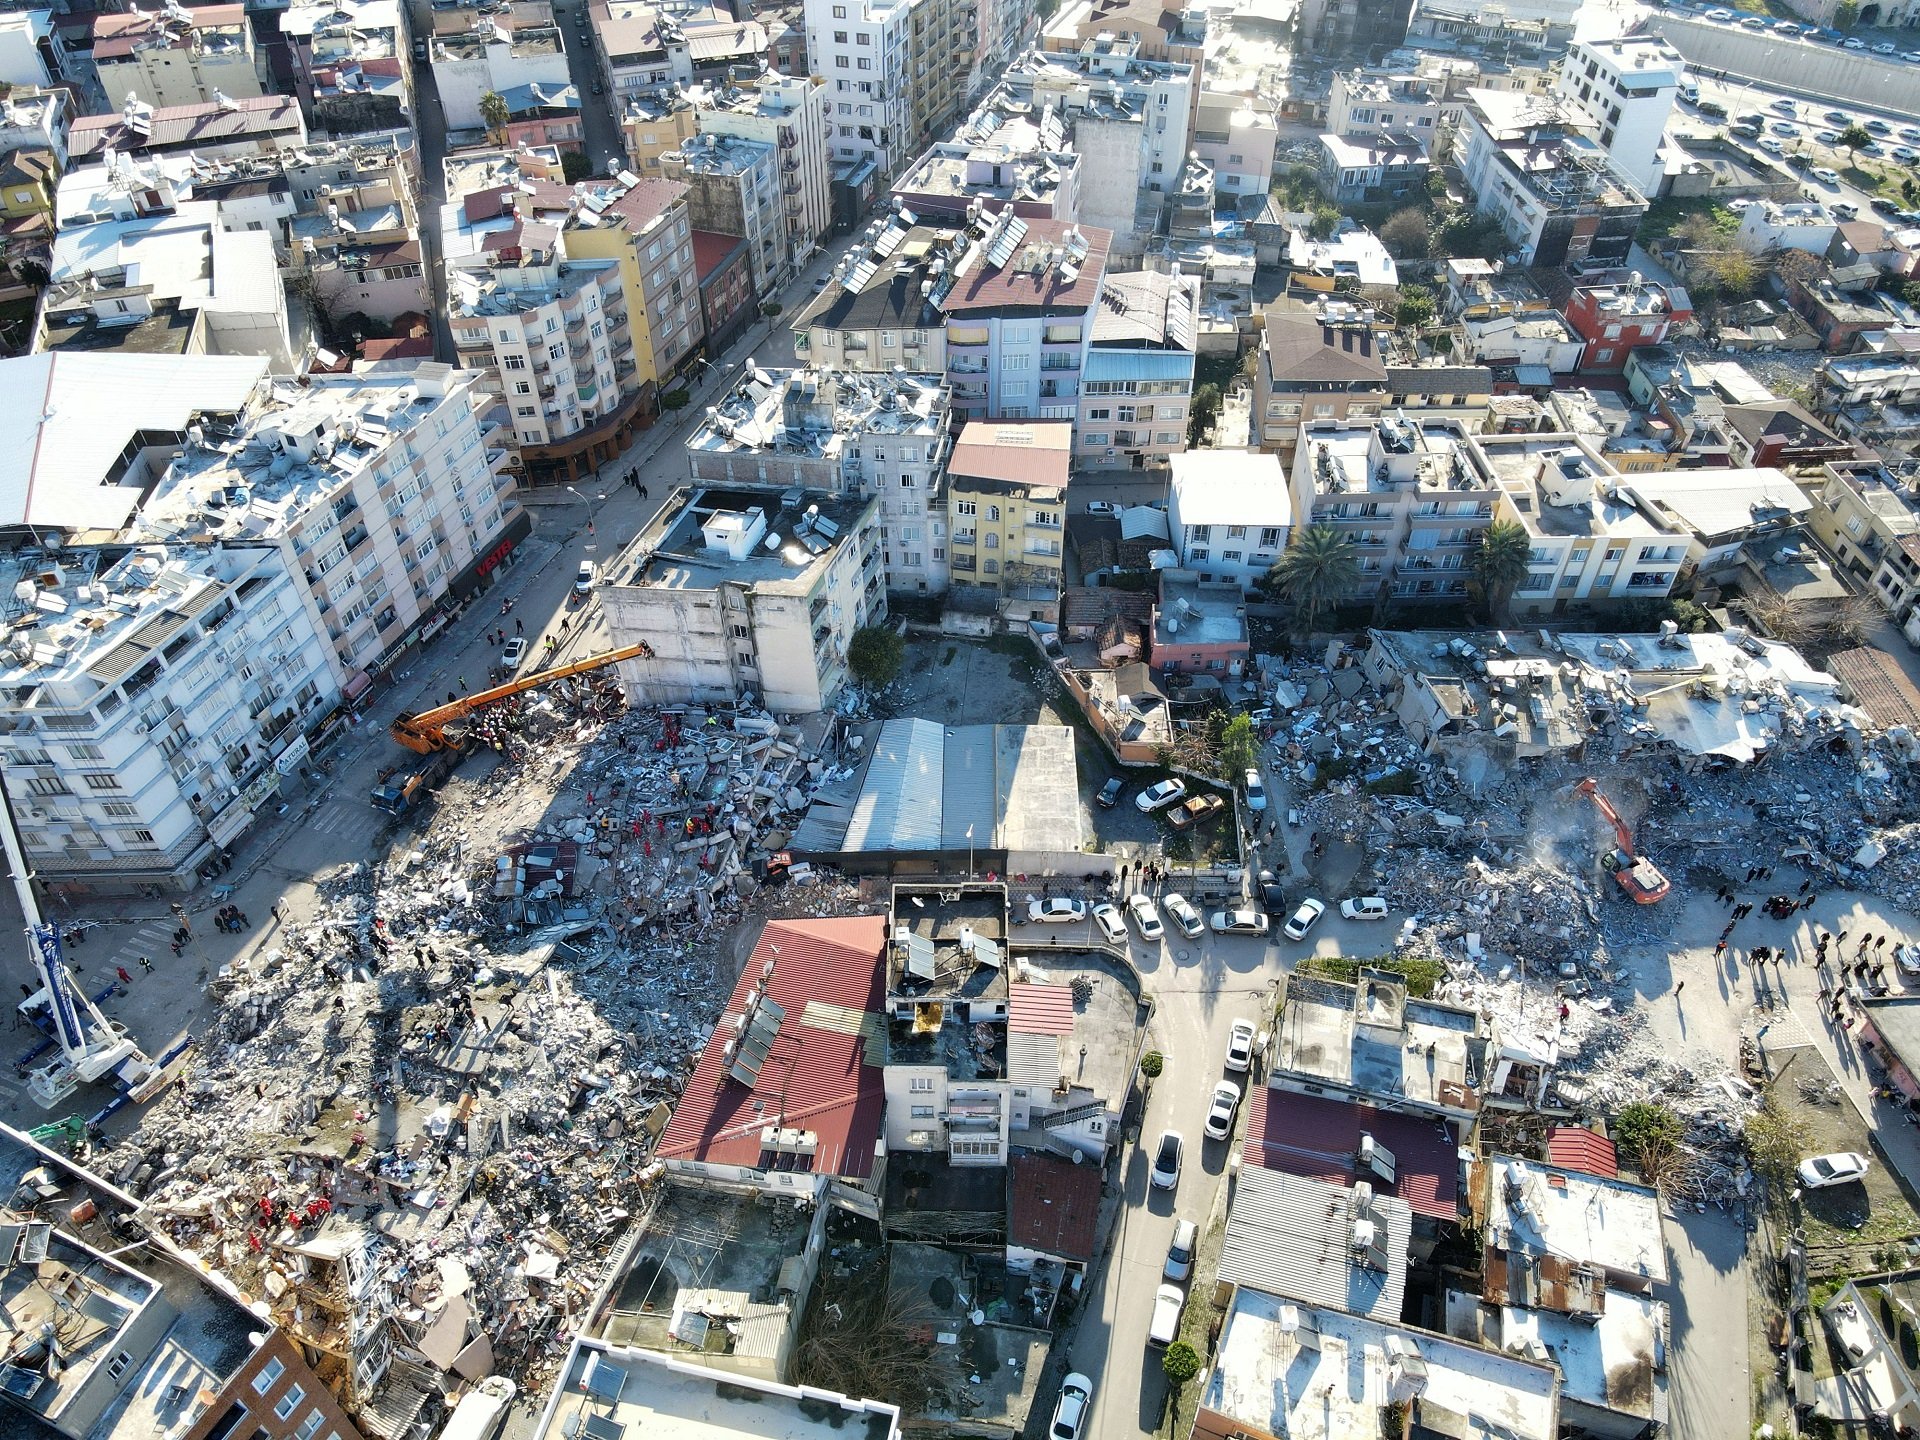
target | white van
[{"x": 1165, "y": 1328}]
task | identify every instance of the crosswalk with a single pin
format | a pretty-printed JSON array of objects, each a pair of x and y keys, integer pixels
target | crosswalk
[{"x": 345, "y": 820}]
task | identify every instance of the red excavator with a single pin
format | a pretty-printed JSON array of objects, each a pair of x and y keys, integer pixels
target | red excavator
[{"x": 1638, "y": 876}]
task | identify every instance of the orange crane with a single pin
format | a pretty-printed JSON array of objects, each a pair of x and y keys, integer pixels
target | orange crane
[
  {"x": 426, "y": 732},
  {"x": 1638, "y": 876}
]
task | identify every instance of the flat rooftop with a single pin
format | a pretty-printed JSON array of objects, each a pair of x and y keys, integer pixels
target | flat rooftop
[
  {"x": 1540, "y": 1210},
  {"x": 1194, "y": 612},
  {"x": 1615, "y": 1360},
  {"x": 710, "y": 535},
  {"x": 948, "y": 942},
  {"x": 1051, "y": 1033},
  {"x": 809, "y": 411},
  {"x": 1372, "y": 1037}
]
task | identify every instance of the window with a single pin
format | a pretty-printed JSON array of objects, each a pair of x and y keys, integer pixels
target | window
[
  {"x": 865, "y": 63},
  {"x": 839, "y": 37},
  {"x": 921, "y": 1085},
  {"x": 310, "y": 1427},
  {"x": 117, "y": 1366},
  {"x": 863, "y": 39},
  {"x": 991, "y": 566},
  {"x": 1614, "y": 552},
  {"x": 1236, "y": 532},
  {"x": 1269, "y": 538},
  {"x": 290, "y": 1402},
  {"x": 268, "y": 1377},
  {"x": 516, "y": 362},
  {"x": 923, "y": 1112},
  {"x": 966, "y": 507},
  {"x": 86, "y": 752},
  {"x": 523, "y": 387},
  {"x": 102, "y": 782}
]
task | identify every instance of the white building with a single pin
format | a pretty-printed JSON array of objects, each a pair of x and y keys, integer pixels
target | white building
[
  {"x": 1385, "y": 105},
  {"x": 794, "y": 115},
  {"x": 850, "y": 433},
  {"x": 1136, "y": 384},
  {"x": 26, "y": 38},
  {"x": 880, "y": 73},
  {"x": 741, "y": 590},
  {"x": 32, "y": 119},
  {"x": 1765, "y": 226},
  {"x": 1626, "y": 87},
  {"x": 176, "y": 56},
  {"x": 495, "y": 56},
  {"x": 1229, "y": 513}
]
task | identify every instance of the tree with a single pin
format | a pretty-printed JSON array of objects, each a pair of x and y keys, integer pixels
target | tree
[
  {"x": 1201, "y": 414},
  {"x": 875, "y": 654},
  {"x": 494, "y": 114},
  {"x": 1650, "y": 1134},
  {"x": 1797, "y": 266},
  {"x": 1500, "y": 563},
  {"x": 1238, "y": 749},
  {"x": 1465, "y": 235},
  {"x": 1854, "y": 138},
  {"x": 1180, "y": 1364},
  {"x": 1776, "y": 1139},
  {"x": 1416, "y": 307},
  {"x": 1152, "y": 1063},
  {"x": 1313, "y": 573},
  {"x": 575, "y": 166},
  {"x": 1846, "y": 14},
  {"x": 1326, "y": 220},
  {"x": 1405, "y": 234}
]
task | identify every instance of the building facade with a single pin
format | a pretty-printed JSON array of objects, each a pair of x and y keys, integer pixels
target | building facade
[
  {"x": 733, "y": 187},
  {"x": 796, "y": 116},
  {"x": 177, "y": 56},
  {"x": 1006, "y": 510},
  {"x": 1626, "y": 87},
  {"x": 1136, "y": 383},
  {"x": 646, "y": 228}
]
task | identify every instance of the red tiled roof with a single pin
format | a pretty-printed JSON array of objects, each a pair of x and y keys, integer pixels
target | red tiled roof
[
  {"x": 488, "y": 204},
  {"x": 645, "y": 202},
  {"x": 1039, "y": 1009},
  {"x": 711, "y": 250},
  {"x": 817, "y": 1075},
  {"x": 1052, "y": 1206},
  {"x": 1574, "y": 1148},
  {"x": 399, "y": 347},
  {"x": 1318, "y": 1138},
  {"x": 1008, "y": 289},
  {"x": 1878, "y": 684}
]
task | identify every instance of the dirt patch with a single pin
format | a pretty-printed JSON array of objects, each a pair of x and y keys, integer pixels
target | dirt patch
[
  {"x": 1844, "y": 1224},
  {"x": 972, "y": 682}
]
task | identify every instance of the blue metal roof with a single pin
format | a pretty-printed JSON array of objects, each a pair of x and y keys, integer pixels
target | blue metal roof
[{"x": 1138, "y": 365}]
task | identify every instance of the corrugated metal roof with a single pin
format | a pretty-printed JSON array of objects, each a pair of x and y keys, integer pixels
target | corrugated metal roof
[
  {"x": 1320, "y": 1138},
  {"x": 1137, "y": 365},
  {"x": 1583, "y": 1150},
  {"x": 1033, "y": 1060},
  {"x": 968, "y": 787},
  {"x": 1039, "y": 1009},
  {"x": 1052, "y": 1205},
  {"x": 899, "y": 804},
  {"x": 1293, "y": 1236}
]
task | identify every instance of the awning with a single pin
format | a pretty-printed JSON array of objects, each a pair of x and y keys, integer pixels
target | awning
[
  {"x": 357, "y": 685},
  {"x": 1533, "y": 375}
]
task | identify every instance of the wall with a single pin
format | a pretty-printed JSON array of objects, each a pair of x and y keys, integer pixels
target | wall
[{"x": 1799, "y": 67}]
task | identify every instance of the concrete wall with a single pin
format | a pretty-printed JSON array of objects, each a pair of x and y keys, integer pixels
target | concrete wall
[{"x": 1799, "y": 67}]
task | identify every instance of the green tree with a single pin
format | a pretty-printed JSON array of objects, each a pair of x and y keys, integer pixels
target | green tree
[
  {"x": 1650, "y": 1134},
  {"x": 1691, "y": 617},
  {"x": 1313, "y": 572},
  {"x": 1180, "y": 1364},
  {"x": 1406, "y": 235},
  {"x": 1326, "y": 220},
  {"x": 1238, "y": 749},
  {"x": 494, "y": 114},
  {"x": 1152, "y": 1063},
  {"x": 1846, "y": 14},
  {"x": 1201, "y": 414},
  {"x": 1465, "y": 235},
  {"x": 575, "y": 166},
  {"x": 875, "y": 654},
  {"x": 1776, "y": 1139},
  {"x": 1500, "y": 563},
  {"x": 1854, "y": 138},
  {"x": 1416, "y": 307}
]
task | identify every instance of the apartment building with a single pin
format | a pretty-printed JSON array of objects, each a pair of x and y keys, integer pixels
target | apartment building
[
  {"x": 36, "y": 119},
  {"x": 896, "y": 71},
  {"x": 1354, "y": 27},
  {"x": 1136, "y": 384},
  {"x": 211, "y": 130},
  {"x": 176, "y": 56},
  {"x": 843, "y": 432},
  {"x": 733, "y": 187},
  {"x": 1228, "y": 514},
  {"x": 349, "y": 59},
  {"x": 654, "y": 122},
  {"x": 355, "y": 228},
  {"x": 1315, "y": 367},
  {"x": 515, "y": 46},
  {"x": 1615, "y": 320},
  {"x": 1868, "y": 518},
  {"x": 550, "y": 333},
  {"x": 647, "y": 229},
  {"x": 727, "y": 304},
  {"x": 1386, "y": 105},
  {"x": 796, "y": 116},
  {"x": 1534, "y": 166},
  {"x": 747, "y": 590},
  {"x": 1003, "y": 161},
  {"x": 1626, "y": 87},
  {"x": 1006, "y": 510},
  {"x": 1237, "y": 137}
]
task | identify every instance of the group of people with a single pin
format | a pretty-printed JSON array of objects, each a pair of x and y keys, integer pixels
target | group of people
[{"x": 231, "y": 919}]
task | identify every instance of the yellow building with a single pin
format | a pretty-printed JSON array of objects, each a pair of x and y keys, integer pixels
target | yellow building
[
  {"x": 28, "y": 178},
  {"x": 645, "y": 228},
  {"x": 1006, "y": 509},
  {"x": 654, "y": 125}
]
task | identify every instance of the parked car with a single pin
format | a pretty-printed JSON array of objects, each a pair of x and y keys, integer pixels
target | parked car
[
  {"x": 1070, "y": 1410},
  {"x": 1304, "y": 919},
  {"x": 420, "y": 50},
  {"x": 1158, "y": 797},
  {"x": 1852, "y": 44},
  {"x": 1842, "y": 1167},
  {"x": 1883, "y": 206},
  {"x": 1786, "y": 128},
  {"x": 1238, "y": 922},
  {"x": 1110, "y": 923},
  {"x": 1786, "y": 107},
  {"x": 1059, "y": 910},
  {"x": 1740, "y": 206},
  {"x": 1752, "y": 22},
  {"x": 1905, "y": 154},
  {"x": 1720, "y": 15},
  {"x": 1102, "y": 507},
  {"x": 1907, "y": 957},
  {"x": 1240, "y": 1046},
  {"x": 1886, "y": 47},
  {"x": 1910, "y": 134},
  {"x": 1256, "y": 792},
  {"x": 1186, "y": 1239},
  {"x": 1222, "y": 1108},
  {"x": 1845, "y": 210},
  {"x": 1145, "y": 918},
  {"x": 1183, "y": 914},
  {"x": 1838, "y": 117},
  {"x": 1743, "y": 131},
  {"x": 1111, "y": 792},
  {"x": 1166, "y": 1160},
  {"x": 1878, "y": 127},
  {"x": 1771, "y": 145},
  {"x": 1364, "y": 907},
  {"x": 1197, "y": 811},
  {"x": 1826, "y": 175},
  {"x": 512, "y": 653},
  {"x": 583, "y": 579},
  {"x": 1165, "y": 1327}
]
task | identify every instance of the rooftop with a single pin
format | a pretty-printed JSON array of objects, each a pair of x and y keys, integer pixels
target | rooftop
[
  {"x": 710, "y": 154},
  {"x": 1559, "y": 487},
  {"x": 1320, "y": 1138},
  {"x": 1147, "y": 309},
  {"x": 1197, "y": 612},
  {"x": 1386, "y": 456},
  {"x": 1009, "y": 158},
  {"x": 1877, "y": 683},
  {"x": 1301, "y": 1372},
  {"x": 1355, "y": 255},
  {"x": 1614, "y": 1361},
  {"x": 1372, "y": 1038},
  {"x": 810, "y": 412},
  {"x": 1073, "y": 1027},
  {"x": 265, "y": 117},
  {"x": 774, "y": 541},
  {"x": 1537, "y": 1210},
  {"x": 1325, "y": 1244},
  {"x": 1053, "y": 1205},
  {"x": 624, "y": 1394},
  {"x": 1715, "y": 503},
  {"x": 1301, "y": 347},
  {"x": 948, "y": 944},
  {"x": 1030, "y": 454}
]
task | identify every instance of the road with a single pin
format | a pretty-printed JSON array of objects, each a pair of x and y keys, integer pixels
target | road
[{"x": 605, "y": 147}]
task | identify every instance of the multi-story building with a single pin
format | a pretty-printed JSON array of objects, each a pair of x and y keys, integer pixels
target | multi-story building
[
  {"x": 1592, "y": 544},
  {"x": 1000, "y": 160},
  {"x": 177, "y": 56},
  {"x": 646, "y": 228},
  {"x": 213, "y": 130},
  {"x": 1802, "y": 225},
  {"x": 1372, "y": 170},
  {"x": 1626, "y": 87},
  {"x": 1136, "y": 383},
  {"x": 551, "y": 334},
  {"x": 542, "y": 114},
  {"x": 1228, "y": 514},
  {"x": 1355, "y": 27},
  {"x": 1533, "y": 166},
  {"x": 1387, "y": 105},
  {"x": 654, "y": 122},
  {"x": 846, "y": 433},
  {"x": 342, "y": 49},
  {"x": 1869, "y": 520},
  {"x": 1315, "y": 367},
  {"x": 746, "y": 590},
  {"x": 896, "y": 70},
  {"x": 1006, "y": 510},
  {"x": 1237, "y": 137},
  {"x": 1166, "y": 29},
  {"x": 355, "y": 229},
  {"x": 796, "y": 116},
  {"x": 31, "y": 52},
  {"x": 36, "y": 119},
  {"x": 733, "y": 187},
  {"x": 727, "y": 305},
  {"x": 1614, "y": 320},
  {"x": 519, "y": 45},
  {"x": 1412, "y": 496}
]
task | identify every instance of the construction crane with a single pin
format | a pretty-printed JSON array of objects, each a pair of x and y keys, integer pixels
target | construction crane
[
  {"x": 1638, "y": 876},
  {"x": 91, "y": 1047},
  {"x": 426, "y": 733}
]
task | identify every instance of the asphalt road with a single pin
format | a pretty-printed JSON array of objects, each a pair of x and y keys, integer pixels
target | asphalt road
[{"x": 604, "y": 145}]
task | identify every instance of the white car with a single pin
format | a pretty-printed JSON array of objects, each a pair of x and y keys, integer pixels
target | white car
[
  {"x": 1102, "y": 507},
  {"x": 1845, "y": 210},
  {"x": 1186, "y": 1240},
  {"x": 1905, "y": 154},
  {"x": 583, "y": 579},
  {"x": 1740, "y": 206},
  {"x": 1070, "y": 1410},
  {"x": 1145, "y": 919},
  {"x": 1158, "y": 797},
  {"x": 1060, "y": 910},
  {"x": 1222, "y": 1108},
  {"x": 1304, "y": 919},
  {"x": 1840, "y": 1168},
  {"x": 1184, "y": 915},
  {"x": 1166, "y": 1160},
  {"x": 1238, "y": 922},
  {"x": 1256, "y": 792},
  {"x": 1164, "y": 1329},
  {"x": 1364, "y": 907},
  {"x": 1826, "y": 175},
  {"x": 1907, "y": 957},
  {"x": 1110, "y": 923},
  {"x": 1771, "y": 145},
  {"x": 1240, "y": 1046}
]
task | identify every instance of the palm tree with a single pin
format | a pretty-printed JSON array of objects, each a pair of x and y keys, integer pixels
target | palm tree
[
  {"x": 1500, "y": 563},
  {"x": 1313, "y": 572},
  {"x": 494, "y": 114}
]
